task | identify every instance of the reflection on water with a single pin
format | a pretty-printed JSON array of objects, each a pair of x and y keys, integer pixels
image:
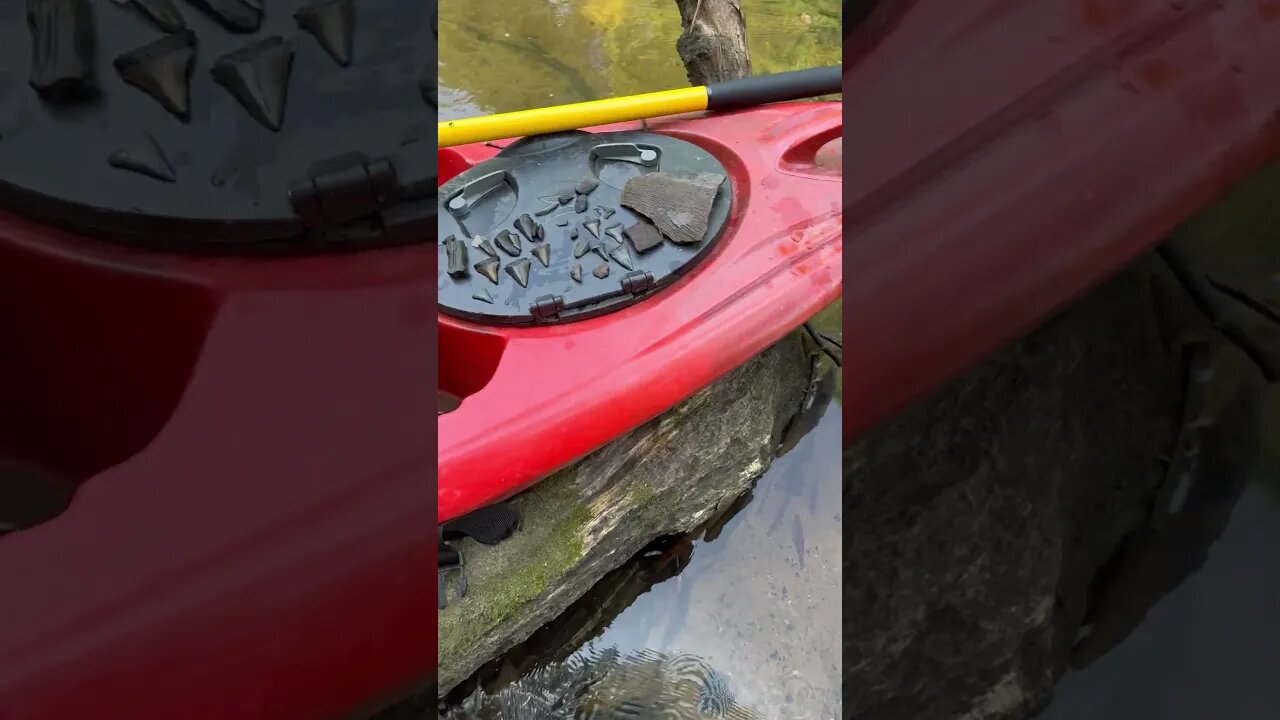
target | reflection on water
[
  {"x": 499, "y": 55},
  {"x": 749, "y": 605},
  {"x": 611, "y": 684},
  {"x": 1210, "y": 649},
  {"x": 1197, "y": 598}
]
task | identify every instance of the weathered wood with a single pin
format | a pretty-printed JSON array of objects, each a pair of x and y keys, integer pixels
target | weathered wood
[{"x": 713, "y": 46}]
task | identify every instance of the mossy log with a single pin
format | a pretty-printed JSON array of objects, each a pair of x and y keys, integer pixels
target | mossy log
[{"x": 665, "y": 478}]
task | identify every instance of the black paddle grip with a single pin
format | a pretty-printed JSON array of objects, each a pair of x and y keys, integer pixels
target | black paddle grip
[{"x": 762, "y": 89}]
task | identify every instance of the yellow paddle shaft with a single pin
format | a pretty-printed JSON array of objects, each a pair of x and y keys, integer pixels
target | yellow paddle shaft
[{"x": 570, "y": 117}]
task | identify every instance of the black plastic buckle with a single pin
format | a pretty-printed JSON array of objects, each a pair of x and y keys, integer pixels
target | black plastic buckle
[{"x": 345, "y": 198}]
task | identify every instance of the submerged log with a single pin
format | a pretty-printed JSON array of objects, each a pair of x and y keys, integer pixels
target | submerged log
[
  {"x": 713, "y": 46},
  {"x": 665, "y": 478}
]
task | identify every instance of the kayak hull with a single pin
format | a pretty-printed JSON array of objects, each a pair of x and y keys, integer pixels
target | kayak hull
[
  {"x": 248, "y": 534},
  {"x": 1010, "y": 156},
  {"x": 535, "y": 399}
]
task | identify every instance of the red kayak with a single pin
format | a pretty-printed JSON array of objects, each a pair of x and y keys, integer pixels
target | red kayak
[
  {"x": 213, "y": 460},
  {"x": 1008, "y": 156},
  {"x": 538, "y": 391}
]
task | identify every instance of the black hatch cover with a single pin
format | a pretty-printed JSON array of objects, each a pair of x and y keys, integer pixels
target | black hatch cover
[
  {"x": 539, "y": 234},
  {"x": 221, "y": 125}
]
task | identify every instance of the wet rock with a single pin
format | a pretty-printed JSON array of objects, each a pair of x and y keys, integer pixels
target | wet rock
[
  {"x": 667, "y": 477},
  {"x": 643, "y": 236}
]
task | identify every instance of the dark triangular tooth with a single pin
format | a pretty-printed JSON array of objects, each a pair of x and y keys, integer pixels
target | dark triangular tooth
[
  {"x": 486, "y": 247},
  {"x": 586, "y": 186},
  {"x": 483, "y": 296},
  {"x": 333, "y": 23},
  {"x": 548, "y": 209},
  {"x": 145, "y": 158},
  {"x": 614, "y": 232},
  {"x": 488, "y": 268},
  {"x": 238, "y": 16},
  {"x": 593, "y": 227},
  {"x": 581, "y": 247},
  {"x": 608, "y": 213},
  {"x": 621, "y": 256},
  {"x": 580, "y": 204},
  {"x": 162, "y": 70},
  {"x": 508, "y": 242},
  {"x": 258, "y": 76},
  {"x": 163, "y": 13},
  {"x": 520, "y": 271},
  {"x": 600, "y": 250},
  {"x": 543, "y": 253},
  {"x": 528, "y": 226},
  {"x": 601, "y": 271},
  {"x": 575, "y": 272},
  {"x": 62, "y": 43},
  {"x": 456, "y": 251}
]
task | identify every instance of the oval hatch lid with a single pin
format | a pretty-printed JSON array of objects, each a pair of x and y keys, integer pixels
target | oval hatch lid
[{"x": 184, "y": 124}]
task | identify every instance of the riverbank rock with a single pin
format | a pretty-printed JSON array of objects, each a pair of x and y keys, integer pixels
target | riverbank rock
[
  {"x": 1026, "y": 517},
  {"x": 667, "y": 477}
]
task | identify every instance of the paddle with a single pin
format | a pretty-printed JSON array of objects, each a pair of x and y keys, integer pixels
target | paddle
[{"x": 728, "y": 95}]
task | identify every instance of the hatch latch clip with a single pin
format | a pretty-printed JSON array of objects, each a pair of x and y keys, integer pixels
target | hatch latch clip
[{"x": 350, "y": 199}]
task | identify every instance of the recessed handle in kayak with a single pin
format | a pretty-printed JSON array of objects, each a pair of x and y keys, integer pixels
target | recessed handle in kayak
[{"x": 728, "y": 95}]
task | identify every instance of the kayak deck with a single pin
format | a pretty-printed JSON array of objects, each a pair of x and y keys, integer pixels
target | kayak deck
[
  {"x": 246, "y": 441},
  {"x": 534, "y": 399}
]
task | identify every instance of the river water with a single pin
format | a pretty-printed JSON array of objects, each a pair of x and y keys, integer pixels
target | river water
[{"x": 504, "y": 55}]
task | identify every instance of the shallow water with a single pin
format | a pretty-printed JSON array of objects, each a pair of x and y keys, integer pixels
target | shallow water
[
  {"x": 500, "y": 55},
  {"x": 1209, "y": 649}
]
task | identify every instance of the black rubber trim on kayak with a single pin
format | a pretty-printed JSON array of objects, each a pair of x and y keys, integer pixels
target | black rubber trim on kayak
[
  {"x": 488, "y": 526},
  {"x": 763, "y": 89}
]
